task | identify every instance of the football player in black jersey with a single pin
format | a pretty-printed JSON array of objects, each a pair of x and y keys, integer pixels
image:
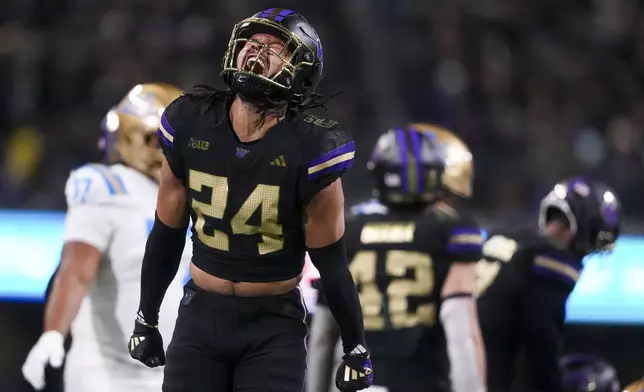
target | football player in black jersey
[
  {"x": 261, "y": 181},
  {"x": 413, "y": 256},
  {"x": 525, "y": 278},
  {"x": 588, "y": 373}
]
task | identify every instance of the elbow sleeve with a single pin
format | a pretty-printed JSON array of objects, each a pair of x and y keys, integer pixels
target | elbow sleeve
[{"x": 461, "y": 346}]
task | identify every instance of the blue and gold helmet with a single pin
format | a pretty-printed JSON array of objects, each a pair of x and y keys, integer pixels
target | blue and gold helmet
[
  {"x": 588, "y": 373},
  {"x": 593, "y": 212},
  {"x": 301, "y": 58},
  {"x": 418, "y": 163}
]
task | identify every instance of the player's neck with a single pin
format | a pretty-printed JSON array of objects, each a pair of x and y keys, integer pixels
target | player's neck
[{"x": 247, "y": 121}]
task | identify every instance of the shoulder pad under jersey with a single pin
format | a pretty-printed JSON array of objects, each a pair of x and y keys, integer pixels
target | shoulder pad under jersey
[
  {"x": 542, "y": 258},
  {"x": 93, "y": 184},
  {"x": 177, "y": 116},
  {"x": 504, "y": 245},
  {"x": 500, "y": 246},
  {"x": 331, "y": 148}
]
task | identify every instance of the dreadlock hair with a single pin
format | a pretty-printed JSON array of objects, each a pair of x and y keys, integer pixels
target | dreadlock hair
[{"x": 265, "y": 108}]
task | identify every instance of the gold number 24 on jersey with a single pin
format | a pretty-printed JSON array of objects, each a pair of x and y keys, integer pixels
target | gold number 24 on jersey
[{"x": 264, "y": 196}]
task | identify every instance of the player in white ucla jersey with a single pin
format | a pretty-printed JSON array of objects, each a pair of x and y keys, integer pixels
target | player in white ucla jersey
[{"x": 96, "y": 289}]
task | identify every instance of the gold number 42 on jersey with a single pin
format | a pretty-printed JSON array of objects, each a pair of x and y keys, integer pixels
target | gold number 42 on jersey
[
  {"x": 498, "y": 249},
  {"x": 264, "y": 196},
  {"x": 397, "y": 263}
]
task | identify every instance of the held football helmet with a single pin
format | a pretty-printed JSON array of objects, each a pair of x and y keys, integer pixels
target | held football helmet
[
  {"x": 129, "y": 128},
  {"x": 302, "y": 58},
  {"x": 592, "y": 210},
  {"x": 413, "y": 165},
  {"x": 588, "y": 373}
]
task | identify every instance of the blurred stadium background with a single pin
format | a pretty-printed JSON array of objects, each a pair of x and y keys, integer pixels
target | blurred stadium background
[{"x": 539, "y": 89}]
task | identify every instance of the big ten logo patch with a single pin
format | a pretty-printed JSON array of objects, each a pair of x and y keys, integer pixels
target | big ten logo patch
[{"x": 199, "y": 144}]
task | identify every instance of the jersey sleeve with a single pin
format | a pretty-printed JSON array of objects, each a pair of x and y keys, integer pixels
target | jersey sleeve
[
  {"x": 329, "y": 157},
  {"x": 464, "y": 241},
  {"x": 90, "y": 192},
  {"x": 176, "y": 120},
  {"x": 556, "y": 267}
]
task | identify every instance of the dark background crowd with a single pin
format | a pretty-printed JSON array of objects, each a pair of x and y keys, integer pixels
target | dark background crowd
[{"x": 540, "y": 89}]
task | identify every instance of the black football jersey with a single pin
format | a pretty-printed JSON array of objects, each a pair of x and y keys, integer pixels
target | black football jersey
[
  {"x": 399, "y": 262},
  {"x": 247, "y": 200},
  {"x": 524, "y": 280}
]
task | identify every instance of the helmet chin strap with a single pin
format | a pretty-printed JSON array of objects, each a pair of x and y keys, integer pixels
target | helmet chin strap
[
  {"x": 264, "y": 101},
  {"x": 255, "y": 91}
]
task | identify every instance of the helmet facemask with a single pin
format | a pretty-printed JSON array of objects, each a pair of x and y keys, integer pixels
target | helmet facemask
[
  {"x": 250, "y": 79},
  {"x": 139, "y": 148},
  {"x": 130, "y": 141},
  {"x": 406, "y": 168}
]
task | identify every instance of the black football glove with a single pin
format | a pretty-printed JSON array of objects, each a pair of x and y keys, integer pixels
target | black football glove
[
  {"x": 355, "y": 372},
  {"x": 146, "y": 344}
]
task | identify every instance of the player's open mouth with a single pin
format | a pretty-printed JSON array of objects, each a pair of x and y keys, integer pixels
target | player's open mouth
[{"x": 255, "y": 65}]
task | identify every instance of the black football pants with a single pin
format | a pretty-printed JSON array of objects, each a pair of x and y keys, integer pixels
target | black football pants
[{"x": 223, "y": 343}]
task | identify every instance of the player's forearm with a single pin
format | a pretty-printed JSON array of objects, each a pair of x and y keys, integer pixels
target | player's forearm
[
  {"x": 340, "y": 292},
  {"x": 64, "y": 302},
  {"x": 480, "y": 351},
  {"x": 78, "y": 268},
  {"x": 464, "y": 345},
  {"x": 460, "y": 321},
  {"x": 161, "y": 261}
]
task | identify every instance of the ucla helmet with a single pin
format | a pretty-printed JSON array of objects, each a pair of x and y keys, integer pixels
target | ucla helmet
[
  {"x": 302, "y": 58},
  {"x": 592, "y": 209},
  {"x": 129, "y": 128}
]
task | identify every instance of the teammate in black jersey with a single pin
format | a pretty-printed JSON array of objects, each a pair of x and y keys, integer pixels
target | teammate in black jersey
[
  {"x": 413, "y": 256},
  {"x": 261, "y": 181},
  {"x": 525, "y": 279}
]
